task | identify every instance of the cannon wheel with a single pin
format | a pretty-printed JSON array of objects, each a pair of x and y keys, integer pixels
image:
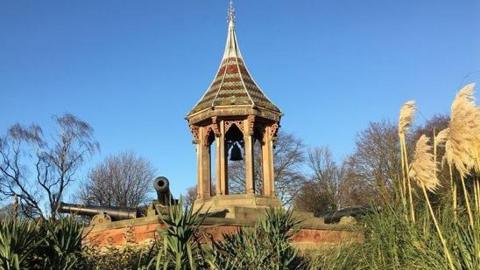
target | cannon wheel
[{"x": 100, "y": 219}]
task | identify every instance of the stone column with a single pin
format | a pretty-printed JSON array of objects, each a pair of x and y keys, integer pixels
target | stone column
[
  {"x": 204, "y": 174},
  {"x": 198, "y": 147},
  {"x": 218, "y": 166},
  {"x": 221, "y": 162},
  {"x": 267, "y": 162},
  {"x": 249, "y": 161}
]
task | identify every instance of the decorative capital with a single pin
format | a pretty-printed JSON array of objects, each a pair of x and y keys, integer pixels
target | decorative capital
[
  {"x": 205, "y": 135},
  {"x": 195, "y": 133},
  {"x": 251, "y": 124},
  {"x": 274, "y": 131},
  {"x": 215, "y": 126}
]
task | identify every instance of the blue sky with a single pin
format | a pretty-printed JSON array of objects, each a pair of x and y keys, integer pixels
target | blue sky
[{"x": 133, "y": 69}]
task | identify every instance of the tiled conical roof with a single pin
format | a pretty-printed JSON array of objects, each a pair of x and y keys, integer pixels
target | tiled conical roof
[{"x": 233, "y": 85}]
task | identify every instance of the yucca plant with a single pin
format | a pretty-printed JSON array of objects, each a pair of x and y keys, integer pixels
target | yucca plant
[
  {"x": 18, "y": 241},
  {"x": 181, "y": 239},
  {"x": 61, "y": 247},
  {"x": 266, "y": 246}
]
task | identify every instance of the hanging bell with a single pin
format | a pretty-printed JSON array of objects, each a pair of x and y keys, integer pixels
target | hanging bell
[{"x": 235, "y": 153}]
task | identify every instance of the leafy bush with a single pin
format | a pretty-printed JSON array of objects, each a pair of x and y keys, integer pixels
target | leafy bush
[{"x": 113, "y": 258}]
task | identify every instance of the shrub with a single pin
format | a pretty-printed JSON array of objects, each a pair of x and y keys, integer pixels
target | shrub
[
  {"x": 61, "y": 246},
  {"x": 18, "y": 241},
  {"x": 266, "y": 246},
  {"x": 181, "y": 247},
  {"x": 27, "y": 244},
  {"x": 113, "y": 258}
]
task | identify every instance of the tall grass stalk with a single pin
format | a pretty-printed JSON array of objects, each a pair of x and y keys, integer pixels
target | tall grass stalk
[
  {"x": 453, "y": 187},
  {"x": 467, "y": 200},
  {"x": 439, "y": 231},
  {"x": 407, "y": 113}
]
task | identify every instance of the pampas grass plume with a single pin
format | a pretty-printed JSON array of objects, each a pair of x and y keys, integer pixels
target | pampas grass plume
[
  {"x": 407, "y": 112},
  {"x": 463, "y": 139},
  {"x": 423, "y": 166}
]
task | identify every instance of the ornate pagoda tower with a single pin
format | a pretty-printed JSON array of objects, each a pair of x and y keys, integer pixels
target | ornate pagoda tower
[{"x": 229, "y": 119}]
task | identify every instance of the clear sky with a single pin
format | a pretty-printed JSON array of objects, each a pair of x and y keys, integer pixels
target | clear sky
[{"x": 133, "y": 69}]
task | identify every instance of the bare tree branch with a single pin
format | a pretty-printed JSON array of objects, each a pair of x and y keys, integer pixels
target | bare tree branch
[{"x": 31, "y": 169}]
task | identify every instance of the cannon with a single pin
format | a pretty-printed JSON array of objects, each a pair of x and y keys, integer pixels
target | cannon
[
  {"x": 99, "y": 214},
  {"x": 162, "y": 187}
]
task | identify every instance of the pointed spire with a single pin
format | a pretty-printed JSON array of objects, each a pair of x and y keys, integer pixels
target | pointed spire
[
  {"x": 233, "y": 85},
  {"x": 231, "y": 47}
]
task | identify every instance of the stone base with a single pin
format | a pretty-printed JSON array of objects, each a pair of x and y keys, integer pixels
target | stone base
[
  {"x": 313, "y": 233},
  {"x": 236, "y": 205},
  {"x": 226, "y": 215}
]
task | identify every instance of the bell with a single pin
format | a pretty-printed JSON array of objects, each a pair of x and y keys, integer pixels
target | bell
[{"x": 235, "y": 153}]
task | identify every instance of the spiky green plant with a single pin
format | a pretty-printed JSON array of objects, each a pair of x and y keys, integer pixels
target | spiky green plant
[
  {"x": 18, "y": 241},
  {"x": 61, "y": 247},
  {"x": 181, "y": 240},
  {"x": 266, "y": 246}
]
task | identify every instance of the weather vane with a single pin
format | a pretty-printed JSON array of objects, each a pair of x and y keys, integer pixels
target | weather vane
[{"x": 231, "y": 12}]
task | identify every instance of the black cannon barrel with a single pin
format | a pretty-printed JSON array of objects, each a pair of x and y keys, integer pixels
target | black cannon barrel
[
  {"x": 116, "y": 213},
  {"x": 162, "y": 186}
]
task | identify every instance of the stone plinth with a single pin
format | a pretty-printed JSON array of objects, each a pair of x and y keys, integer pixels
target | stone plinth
[
  {"x": 314, "y": 233},
  {"x": 237, "y": 205}
]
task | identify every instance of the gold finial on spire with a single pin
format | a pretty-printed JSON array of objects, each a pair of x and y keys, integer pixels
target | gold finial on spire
[{"x": 231, "y": 12}]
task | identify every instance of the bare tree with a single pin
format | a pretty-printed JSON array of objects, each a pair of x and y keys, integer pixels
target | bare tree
[
  {"x": 37, "y": 170},
  {"x": 376, "y": 159},
  {"x": 289, "y": 158},
  {"x": 123, "y": 180},
  {"x": 190, "y": 195},
  {"x": 431, "y": 127},
  {"x": 320, "y": 194},
  {"x": 355, "y": 190},
  {"x": 375, "y": 164}
]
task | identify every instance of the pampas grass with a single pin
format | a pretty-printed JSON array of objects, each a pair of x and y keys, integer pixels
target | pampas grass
[
  {"x": 442, "y": 136},
  {"x": 440, "y": 139},
  {"x": 423, "y": 171},
  {"x": 421, "y": 236},
  {"x": 407, "y": 114},
  {"x": 463, "y": 139},
  {"x": 423, "y": 166}
]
